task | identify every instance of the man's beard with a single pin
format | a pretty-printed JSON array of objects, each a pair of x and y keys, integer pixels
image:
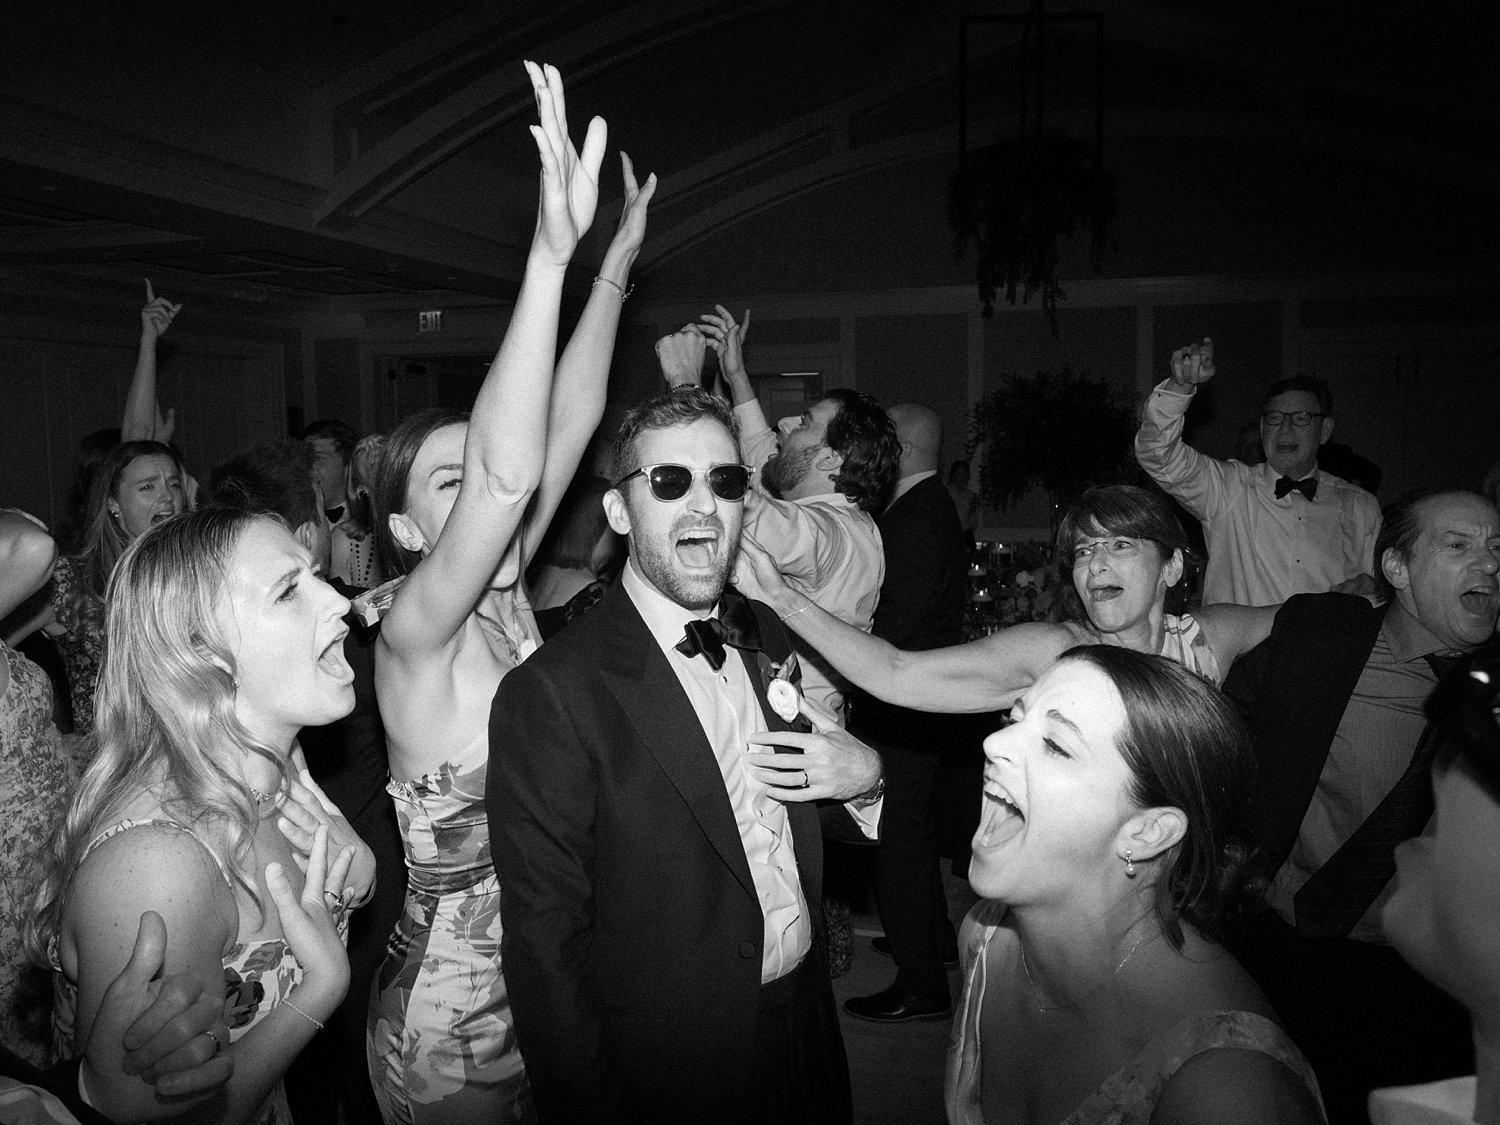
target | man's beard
[
  {"x": 657, "y": 562},
  {"x": 786, "y": 471}
]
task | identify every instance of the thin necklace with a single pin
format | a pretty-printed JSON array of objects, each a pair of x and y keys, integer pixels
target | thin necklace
[{"x": 1037, "y": 996}]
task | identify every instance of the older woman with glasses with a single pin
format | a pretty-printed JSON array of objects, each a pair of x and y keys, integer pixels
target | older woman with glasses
[{"x": 1119, "y": 548}]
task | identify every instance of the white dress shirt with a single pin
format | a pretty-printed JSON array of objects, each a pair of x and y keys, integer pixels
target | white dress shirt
[
  {"x": 1261, "y": 550},
  {"x": 828, "y": 549}
]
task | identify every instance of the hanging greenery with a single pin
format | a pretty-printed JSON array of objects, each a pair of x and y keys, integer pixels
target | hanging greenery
[
  {"x": 1062, "y": 431},
  {"x": 1013, "y": 201}
]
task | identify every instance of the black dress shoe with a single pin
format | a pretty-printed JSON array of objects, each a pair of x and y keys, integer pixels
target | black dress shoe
[
  {"x": 882, "y": 946},
  {"x": 896, "y": 1006}
]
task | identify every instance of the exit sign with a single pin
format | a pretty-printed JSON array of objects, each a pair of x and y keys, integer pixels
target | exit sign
[{"x": 430, "y": 321}]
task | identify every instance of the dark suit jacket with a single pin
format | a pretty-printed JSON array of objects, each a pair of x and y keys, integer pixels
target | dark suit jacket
[
  {"x": 921, "y": 599},
  {"x": 632, "y": 947},
  {"x": 1293, "y": 688}
]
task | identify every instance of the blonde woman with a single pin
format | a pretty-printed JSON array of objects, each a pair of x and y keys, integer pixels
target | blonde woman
[{"x": 223, "y": 644}]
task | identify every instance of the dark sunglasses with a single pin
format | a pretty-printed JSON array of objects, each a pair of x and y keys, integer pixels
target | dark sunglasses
[{"x": 671, "y": 482}]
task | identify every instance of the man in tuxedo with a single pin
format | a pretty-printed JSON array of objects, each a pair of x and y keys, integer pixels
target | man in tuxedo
[
  {"x": 661, "y": 861},
  {"x": 921, "y": 607},
  {"x": 1275, "y": 529},
  {"x": 1334, "y": 700}
]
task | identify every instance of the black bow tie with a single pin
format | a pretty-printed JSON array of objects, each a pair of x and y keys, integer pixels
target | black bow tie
[
  {"x": 1308, "y": 487},
  {"x": 735, "y": 625},
  {"x": 334, "y": 514}
]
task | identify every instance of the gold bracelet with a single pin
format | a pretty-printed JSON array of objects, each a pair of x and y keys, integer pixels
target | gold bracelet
[
  {"x": 624, "y": 293},
  {"x": 288, "y": 1003}
]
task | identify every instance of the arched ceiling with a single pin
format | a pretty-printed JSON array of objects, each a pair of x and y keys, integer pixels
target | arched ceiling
[{"x": 377, "y": 152}]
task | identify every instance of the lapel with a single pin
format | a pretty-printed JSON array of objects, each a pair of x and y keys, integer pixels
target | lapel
[
  {"x": 1307, "y": 671},
  {"x": 802, "y": 818},
  {"x": 637, "y": 674}
]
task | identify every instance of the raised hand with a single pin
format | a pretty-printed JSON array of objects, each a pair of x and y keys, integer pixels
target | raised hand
[
  {"x": 157, "y": 315},
  {"x": 727, "y": 339},
  {"x": 570, "y": 183},
  {"x": 631, "y": 232},
  {"x": 1193, "y": 364},
  {"x": 681, "y": 357}
]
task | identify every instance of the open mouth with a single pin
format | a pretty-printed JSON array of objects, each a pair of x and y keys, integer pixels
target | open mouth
[
  {"x": 157, "y": 517},
  {"x": 1000, "y": 818},
  {"x": 333, "y": 661},
  {"x": 1105, "y": 593},
  {"x": 1481, "y": 601},
  {"x": 698, "y": 548}
]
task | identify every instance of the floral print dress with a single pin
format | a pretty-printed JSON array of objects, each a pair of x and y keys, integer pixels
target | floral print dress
[
  {"x": 258, "y": 975},
  {"x": 36, "y": 782}
]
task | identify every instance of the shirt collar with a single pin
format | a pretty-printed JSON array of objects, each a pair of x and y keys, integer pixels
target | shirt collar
[
  {"x": 906, "y": 484},
  {"x": 664, "y": 618},
  {"x": 1409, "y": 638}
]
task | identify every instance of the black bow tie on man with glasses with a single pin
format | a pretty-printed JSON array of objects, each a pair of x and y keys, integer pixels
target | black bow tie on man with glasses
[{"x": 1308, "y": 486}]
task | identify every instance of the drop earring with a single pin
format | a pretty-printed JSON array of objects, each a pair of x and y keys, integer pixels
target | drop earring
[{"x": 1129, "y": 865}]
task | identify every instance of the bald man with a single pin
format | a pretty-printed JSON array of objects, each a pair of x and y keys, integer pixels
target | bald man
[{"x": 921, "y": 606}]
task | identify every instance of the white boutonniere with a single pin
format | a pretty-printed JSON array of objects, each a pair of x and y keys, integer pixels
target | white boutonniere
[{"x": 782, "y": 694}]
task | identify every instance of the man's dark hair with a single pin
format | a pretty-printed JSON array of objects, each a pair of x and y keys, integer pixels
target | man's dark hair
[
  {"x": 682, "y": 407},
  {"x": 273, "y": 477},
  {"x": 1401, "y": 524},
  {"x": 864, "y": 435},
  {"x": 342, "y": 435},
  {"x": 1315, "y": 387}
]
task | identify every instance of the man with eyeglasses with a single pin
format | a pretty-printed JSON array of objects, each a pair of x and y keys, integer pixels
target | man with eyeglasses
[
  {"x": 661, "y": 860},
  {"x": 1276, "y": 529}
]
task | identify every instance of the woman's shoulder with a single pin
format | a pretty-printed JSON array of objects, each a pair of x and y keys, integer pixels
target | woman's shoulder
[
  {"x": 1234, "y": 1066},
  {"x": 151, "y": 851}
]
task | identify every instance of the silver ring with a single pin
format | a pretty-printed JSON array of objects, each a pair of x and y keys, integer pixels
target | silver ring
[
  {"x": 806, "y": 781},
  {"x": 218, "y": 1046},
  {"x": 335, "y": 899}
]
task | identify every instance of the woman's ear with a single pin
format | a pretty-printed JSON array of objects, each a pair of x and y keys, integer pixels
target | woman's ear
[
  {"x": 404, "y": 532},
  {"x": 1174, "y": 569},
  {"x": 1150, "y": 833}
]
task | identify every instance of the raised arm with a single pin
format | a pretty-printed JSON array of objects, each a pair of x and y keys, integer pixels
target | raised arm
[
  {"x": 27, "y": 556},
  {"x": 985, "y": 675},
  {"x": 758, "y": 442},
  {"x": 578, "y": 388},
  {"x": 506, "y": 446},
  {"x": 143, "y": 420},
  {"x": 1199, "y": 482}
]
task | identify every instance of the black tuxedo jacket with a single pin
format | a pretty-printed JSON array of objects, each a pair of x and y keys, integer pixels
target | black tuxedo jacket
[
  {"x": 921, "y": 599},
  {"x": 632, "y": 930},
  {"x": 1293, "y": 688}
]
